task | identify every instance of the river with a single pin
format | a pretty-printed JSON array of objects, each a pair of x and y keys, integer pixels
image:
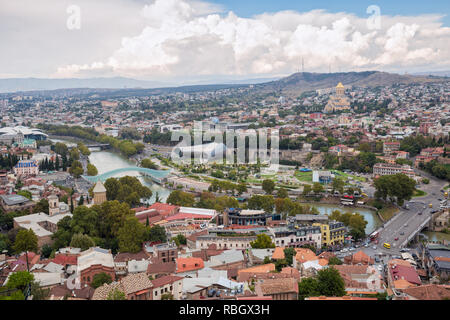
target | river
[{"x": 106, "y": 161}]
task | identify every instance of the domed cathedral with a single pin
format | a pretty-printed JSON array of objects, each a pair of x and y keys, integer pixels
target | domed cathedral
[{"x": 338, "y": 102}]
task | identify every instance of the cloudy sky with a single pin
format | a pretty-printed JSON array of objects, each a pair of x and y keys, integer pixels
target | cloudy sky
[{"x": 184, "y": 40}]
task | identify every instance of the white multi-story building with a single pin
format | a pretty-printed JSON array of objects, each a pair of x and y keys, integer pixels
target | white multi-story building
[
  {"x": 26, "y": 167},
  {"x": 384, "y": 169}
]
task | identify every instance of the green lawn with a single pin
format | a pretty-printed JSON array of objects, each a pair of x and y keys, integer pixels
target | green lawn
[
  {"x": 304, "y": 176},
  {"x": 388, "y": 212},
  {"x": 419, "y": 193},
  {"x": 344, "y": 175}
]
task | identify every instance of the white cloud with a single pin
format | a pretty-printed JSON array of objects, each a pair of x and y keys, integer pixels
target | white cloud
[{"x": 181, "y": 39}]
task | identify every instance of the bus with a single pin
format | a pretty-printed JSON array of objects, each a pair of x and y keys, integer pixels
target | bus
[
  {"x": 374, "y": 236},
  {"x": 347, "y": 200},
  {"x": 387, "y": 245}
]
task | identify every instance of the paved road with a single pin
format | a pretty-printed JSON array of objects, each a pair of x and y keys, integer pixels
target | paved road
[{"x": 407, "y": 222}]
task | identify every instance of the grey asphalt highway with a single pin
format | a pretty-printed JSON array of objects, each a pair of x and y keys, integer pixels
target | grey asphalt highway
[{"x": 407, "y": 222}]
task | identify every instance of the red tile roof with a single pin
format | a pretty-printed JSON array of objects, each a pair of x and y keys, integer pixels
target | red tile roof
[
  {"x": 165, "y": 209},
  {"x": 63, "y": 259},
  {"x": 162, "y": 281},
  {"x": 409, "y": 274},
  {"x": 428, "y": 292},
  {"x": 183, "y": 216},
  {"x": 189, "y": 264}
]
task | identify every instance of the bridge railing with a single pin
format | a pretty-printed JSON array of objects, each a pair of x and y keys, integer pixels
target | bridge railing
[{"x": 413, "y": 234}]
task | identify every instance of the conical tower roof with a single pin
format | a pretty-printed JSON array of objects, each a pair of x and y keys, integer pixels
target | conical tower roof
[{"x": 99, "y": 187}]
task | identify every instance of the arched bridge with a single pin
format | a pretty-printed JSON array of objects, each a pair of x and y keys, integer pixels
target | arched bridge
[{"x": 156, "y": 175}]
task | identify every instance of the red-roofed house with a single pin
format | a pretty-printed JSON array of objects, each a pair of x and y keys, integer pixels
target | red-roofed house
[
  {"x": 188, "y": 264},
  {"x": 402, "y": 272},
  {"x": 359, "y": 258},
  {"x": 165, "y": 209}
]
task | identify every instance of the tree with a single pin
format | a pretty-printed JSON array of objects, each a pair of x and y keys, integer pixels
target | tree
[
  {"x": 26, "y": 240},
  {"x": 268, "y": 186},
  {"x": 308, "y": 287},
  {"x": 85, "y": 221},
  {"x": 338, "y": 185},
  {"x": 180, "y": 198},
  {"x": 289, "y": 254},
  {"x": 100, "y": 279},
  {"x": 317, "y": 188},
  {"x": 116, "y": 294},
  {"x": 91, "y": 170},
  {"x": 282, "y": 193},
  {"x": 46, "y": 251},
  {"x": 83, "y": 149},
  {"x": 63, "y": 234},
  {"x": 398, "y": 186},
  {"x": 179, "y": 240},
  {"x": 76, "y": 169},
  {"x": 25, "y": 193},
  {"x": 334, "y": 261},
  {"x": 41, "y": 206},
  {"x": 157, "y": 198},
  {"x": 127, "y": 189},
  {"x": 75, "y": 154},
  {"x": 330, "y": 283},
  {"x": 82, "y": 241},
  {"x": 263, "y": 241},
  {"x": 131, "y": 235},
  {"x": 241, "y": 188},
  {"x": 39, "y": 293},
  {"x": 307, "y": 189},
  {"x": 61, "y": 149},
  {"x": 258, "y": 202},
  {"x": 156, "y": 234},
  {"x": 149, "y": 164},
  {"x": 20, "y": 280}
]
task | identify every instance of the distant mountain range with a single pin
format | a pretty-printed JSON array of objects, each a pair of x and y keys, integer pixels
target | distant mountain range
[
  {"x": 434, "y": 73},
  {"x": 33, "y": 84},
  {"x": 36, "y": 84},
  {"x": 303, "y": 82},
  {"x": 294, "y": 84}
]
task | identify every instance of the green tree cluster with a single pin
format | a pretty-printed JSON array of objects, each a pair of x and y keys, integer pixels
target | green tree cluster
[
  {"x": 397, "y": 187},
  {"x": 127, "y": 189},
  {"x": 328, "y": 282},
  {"x": 263, "y": 241}
]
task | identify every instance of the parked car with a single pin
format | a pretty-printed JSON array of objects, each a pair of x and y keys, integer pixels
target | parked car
[
  {"x": 396, "y": 239},
  {"x": 402, "y": 233}
]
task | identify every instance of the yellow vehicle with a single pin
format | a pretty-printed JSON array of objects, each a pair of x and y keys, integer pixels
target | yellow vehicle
[
  {"x": 364, "y": 194},
  {"x": 430, "y": 205},
  {"x": 387, "y": 245},
  {"x": 446, "y": 194}
]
